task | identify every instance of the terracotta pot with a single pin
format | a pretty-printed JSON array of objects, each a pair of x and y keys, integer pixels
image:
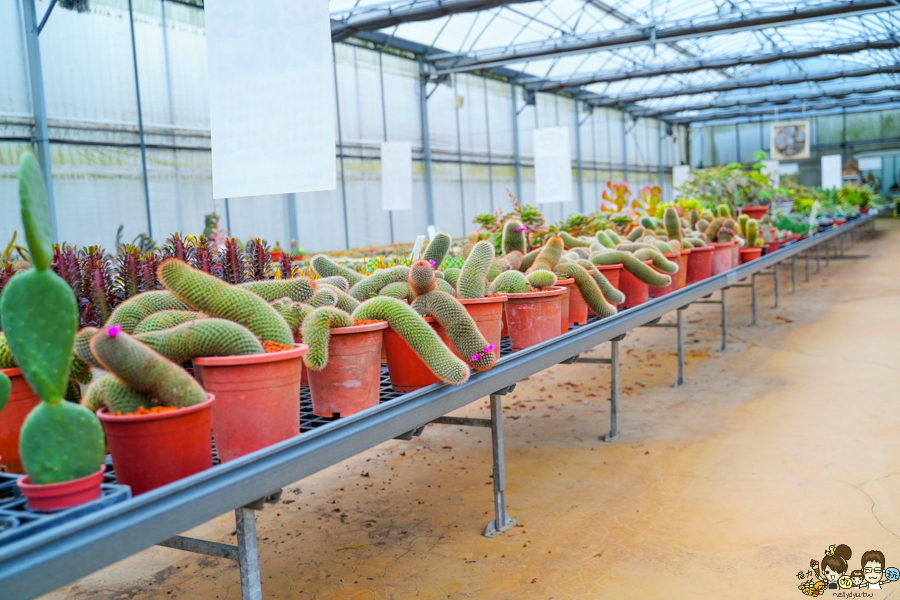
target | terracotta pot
[
  {"x": 722, "y": 257},
  {"x": 772, "y": 247},
  {"x": 578, "y": 308},
  {"x": 754, "y": 212},
  {"x": 350, "y": 382},
  {"x": 612, "y": 274},
  {"x": 257, "y": 399},
  {"x": 21, "y": 401},
  {"x": 149, "y": 451},
  {"x": 488, "y": 316},
  {"x": 700, "y": 264},
  {"x": 679, "y": 279},
  {"x": 748, "y": 254},
  {"x": 408, "y": 372},
  {"x": 533, "y": 317},
  {"x": 636, "y": 291},
  {"x": 568, "y": 285},
  {"x": 56, "y": 496}
]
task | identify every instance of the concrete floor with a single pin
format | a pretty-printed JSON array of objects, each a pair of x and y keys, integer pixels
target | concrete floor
[{"x": 775, "y": 449}]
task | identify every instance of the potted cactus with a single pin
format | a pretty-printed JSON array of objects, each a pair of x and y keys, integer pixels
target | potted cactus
[
  {"x": 673, "y": 250},
  {"x": 61, "y": 443},
  {"x": 637, "y": 274},
  {"x": 721, "y": 233},
  {"x": 21, "y": 401},
  {"x": 753, "y": 249},
  {"x": 699, "y": 265}
]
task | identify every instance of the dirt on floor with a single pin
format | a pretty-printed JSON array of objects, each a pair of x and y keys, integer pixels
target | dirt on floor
[{"x": 774, "y": 450}]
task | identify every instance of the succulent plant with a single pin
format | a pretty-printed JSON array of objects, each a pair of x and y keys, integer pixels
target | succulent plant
[
  {"x": 541, "y": 279},
  {"x": 514, "y": 237},
  {"x": 437, "y": 249},
  {"x": 514, "y": 258},
  {"x": 59, "y": 441},
  {"x": 5, "y": 389},
  {"x": 672, "y": 223},
  {"x": 165, "y": 319},
  {"x": 345, "y": 301},
  {"x": 659, "y": 261},
  {"x": 588, "y": 288},
  {"x": 612, "y": 295},
  {"x": 424, "y": 341},
  {"x": 209, "y": 295},
  {"x": 337, "y": 281},
  {"x": 292, "y": 312},
  {"x": 317, "y": 334},
  {"x": 421, "y": 278},
  {"x": 634, "y": 266},
  {"x": 510, "y": 282},
  {"x": 130, "y": 313},
  {"x": 459, "y": 326},
  {"x": 324, "y": 266},
  {"x": 603, "y": 238},
  {"x": 528, "y": 259},
  {"x": 201, "y": 337},
  {"x": 751, "y": 232},
  {"x": 114, "y": 395},
  {"x": 451, "y": 276},
  {"x": 298, "y": 289},
  {"x": 473, "y": 277},
  {"x": 235, "y": 269},
  {"x": 399, "y": 290},
  {"x": 548, "y": 256},
  {"x": 369, "y": 287},
  {"x": 259, "y": 260}
]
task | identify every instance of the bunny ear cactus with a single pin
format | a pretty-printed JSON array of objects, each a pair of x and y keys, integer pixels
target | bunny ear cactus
[
  {"x": 59, "y": 441},
  {"x": 473, "y": 277},
  {"x": 424, "y": 341},
  {"x": 209, "y": 295},
  {"x": 514, "y": 237},
  {"x": 5, "y": 389},
  {"x": 437, "y": 249}
]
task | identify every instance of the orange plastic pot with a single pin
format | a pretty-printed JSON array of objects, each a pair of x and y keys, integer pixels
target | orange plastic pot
[
  {"x": 754, "y": 212},
  {"x": 57, "y": 496},
  {"x": 408, "y": 372},
  {"x": 578, "y": 308},
  {"x": 533, "y": 317},
  {"x": 699, "y": 264},
  {"x": 21, "y": 401},
  {"x": 350, "y": 381},
  {"x": 612, "y": 274},
  {"x": 679, "y": 279},
  {"x": 149, "y": 451},
  {"x": 636, "y": 291},
  {"x": 488, "y": 316},
  {"x": 722, "y": 257},
  {"x": 568, "y": 285},
  {"x": 748, "y": 254},
  {"x": 257, "y": 399},
  {"x": 772, "y": 247}
]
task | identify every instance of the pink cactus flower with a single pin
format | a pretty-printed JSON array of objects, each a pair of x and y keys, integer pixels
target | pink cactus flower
[{"x": 114, "y": 330}]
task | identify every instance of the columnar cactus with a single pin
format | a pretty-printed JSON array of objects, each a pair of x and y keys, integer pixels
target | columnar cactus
[
  {"x": 337, "y": 281},
  {"x": 203, "y": 337},
  {"x": 451, "y": 276},
  {"x": 82, "y": 346},
  {"x": 421, "y": 278},
  {"x": 724, "y": 210},
  {"x": 437, "y": 249},
  {"x": 659, "y": 261},
  {"x": 541, "y": 279},
  {"x": 317, "y": 334},
  {"x": 529, "y": 259},
  {"x": 514, "y": 259},
  {"x": 216, "y": 298},
  {"x": 130, "y": 313},
  {"x": 742, "y": 225},
  {"x": 298, "y": 289},
  {"x": 370, "y": 286},
  {"x": 571, "y": 241},
  {"x": 292, "y": 312},
  {"x": 712, "y": 230},
  {"x": 510, "y": 282},
  {"x": 399, "y": 290},
  {"x": 588, "y": 287},
  {"x": 603, "y": 238},
  {"x": 59, "y": 441},
  {"x": 752, "y": 233},
  {"x": 409, "y": 325},
  {"x": 726, "y": 232},
  {"x": 612, "y": 295},
  {"x": 144, "y": 369},
  {"x": 635, "y": 234},
  {"x": 549, "y": 255},
  {"x": 672, "y": 223},
  {"x": 634, "y": 266},
  {"x": 114, "y": 395},
  {"x": 345, "y": 301},
  {"x": 165, "y": 319},
  {"x": 326, "y": 267},
  {"x": 324, "y": 297},
  {"x": 472, "y": 281},
  {"x": 694, "y": 217},
  {"x": 445, "y": 287},
  {"x": 461, "y": 329},
  {"x": 514, "y": 237}
]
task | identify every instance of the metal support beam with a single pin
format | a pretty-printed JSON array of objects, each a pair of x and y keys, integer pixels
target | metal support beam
[
  {"x": 613, "y": 391},
  {"x": 793, "y": 274},
  {"x": 703, "y": 64},
  {"x": 653, "y": 33},
  {"x": 39, "y": 107},
  {"x": 293, "y": 227},
  {"x": 624, "y": 147},
  {"x": 679, "y": 326},
  {"x": 140, "y": 116},
  {"x": 337, "y": 101},
  {"x": 807, "y": 267},
  {"x": 384, "y": 128},
  {"x": 578, "y": 161},
  {"x": 426, "y": 144},
  {"x": 723, "y": 324},
  {"x": 517, "y": 156},
  {"x": 501, "y": 521}
]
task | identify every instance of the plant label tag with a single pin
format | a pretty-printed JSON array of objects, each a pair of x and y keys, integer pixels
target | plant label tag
[
  {"x": 417, "y": 247},
  {"x": 431, "y": 232}
]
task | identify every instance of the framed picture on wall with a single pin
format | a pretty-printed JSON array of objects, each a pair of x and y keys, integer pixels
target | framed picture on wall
[{"x": 789, "y": 140}]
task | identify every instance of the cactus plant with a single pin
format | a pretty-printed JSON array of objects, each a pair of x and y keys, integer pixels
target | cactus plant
[
  {"x": 317, "y": 333},
  {"x": 634, "y": 266},
  {"x": 324, "y": 297},
  {"x": 445, "y": 287},
  {"x": 752, "y": 233},
  {"x": 528, "y": 259},
  {"x": 59, "y": 441},
  {"x": 5, "y": 389},
  {"x": 672, "y": 223},
  {"x": 588, "y": 288},
  {"x": 694, "y": 217},
  {"x": 437, "y": 249},
  {"x": 460, "y": 328},
  {"x": 571, "y": 241},
  {"x": 424, "y": 341},
  {"x": 472, "y": 281},
  {"x": 130, "y": 313},
  {"x": 370, "y": 286},
  {"x": 712, "y": 230},
  {"x": 144, "y": 369},
  {"x": 514, "y": 259},
  {"x": 114, "y": 395},
  {"x": 399, "y": 290},
  {"x": 209, "y": 295},
  {"x": 337, "y": 281},
  {"x": 165, "y": 319},
  {"x": 742, "y": 225},
  {"x": 723, "y": 210},
  {"x": 659, "y": 261},
  {"x": 324, "y": 266},
  {"x": 345, "y": 301},
  {"x": 612, "y": 295},
  {"x": 514, "y": 239},
  {"x": 726, "y": 232},
  {"x": 298, "y": 289},
  {"x": 603, "y": 238},
  {"x": 451, "y": 276},
  {"x": 510, "y": 282},
  {"x": 203, "y": 337},
  {"x": 421, "y": 278},
  {"x": 548, "y": 256},
  {"x": 292, "y": 312},
  {"x": 541, "y": 279},
  {"x": 234, "y": 264}
]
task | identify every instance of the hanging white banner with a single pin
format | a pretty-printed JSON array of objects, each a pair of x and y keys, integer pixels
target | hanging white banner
[
  {"x": 271, "y": 90},
  {"x": 552, "y": 165},
  {"x": 396, "y": 176},
  {"x": 680, "y": 175},
  {"x": 831, "y": 171}
]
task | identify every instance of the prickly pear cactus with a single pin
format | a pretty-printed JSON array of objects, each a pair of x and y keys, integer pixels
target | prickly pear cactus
[
  {"x": 59, "y": 441},
  {"x": 5, "y": 389}
]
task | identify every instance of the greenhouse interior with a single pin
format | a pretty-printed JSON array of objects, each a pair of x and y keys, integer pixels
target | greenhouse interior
[{"x": 540, "y": 299}]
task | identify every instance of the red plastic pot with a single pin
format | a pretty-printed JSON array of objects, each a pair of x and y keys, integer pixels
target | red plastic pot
[
  {"x": 57, "y": 496},
  {"x": 488, "y": 316},
  {"x": 612, "y": 274},
  {"x": 578, "y": 308},
  {"x": 748, "y": 254},
  {"x": 257, "y": 399},
  {"x": 700, "y": 264},
  {"x": 21, "y": 401},
  {"x": 679, "y": 279},
  {"x": 350, "y": 382},
  {"x": 533, "y": 317},
  {"x": 722, "y": 257},
  {"x": 564, "y": 300},
  {"x": 149, "y": 451},
  {"x": 408, "y": 372},
  {"x": 636, "y": 291},
  {"x": 772, "y": 246},
  {"x": 754, "y": 212}
]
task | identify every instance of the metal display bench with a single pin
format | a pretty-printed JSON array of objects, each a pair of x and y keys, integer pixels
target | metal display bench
[{"x": 56, "y": 556}]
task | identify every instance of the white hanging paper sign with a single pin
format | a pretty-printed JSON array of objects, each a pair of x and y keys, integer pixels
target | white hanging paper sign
[
  {"x": 271, "y": 89},
  {"x": 831, "y": 171},
  {"x": 680, "y": 174},
  {"x": 396, "y": 176},
  {"x": 552, "y": 165},
  {"x": 870, "y": 163}
]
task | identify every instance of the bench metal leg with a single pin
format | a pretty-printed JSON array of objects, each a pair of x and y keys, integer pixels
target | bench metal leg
[
  {"x": 775, "y": 277},
  {"x": 807, "y": 266},
  {"x": 827, "y": 255},
  {"x": 248, "y": 553},
  {"x": 501, "y": 521},
  {"x": 724, "y": 322},
  {"x": 679, "y": 320},
  {"x": 753, "y": 299},
  {"x": 794, "y": 274},
  {"x": 613, "y": 391},
  {"x": 818, "y": 260}
]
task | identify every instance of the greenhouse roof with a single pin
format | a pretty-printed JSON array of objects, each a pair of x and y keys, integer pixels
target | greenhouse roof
[{"x": 679, "y": 60}]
